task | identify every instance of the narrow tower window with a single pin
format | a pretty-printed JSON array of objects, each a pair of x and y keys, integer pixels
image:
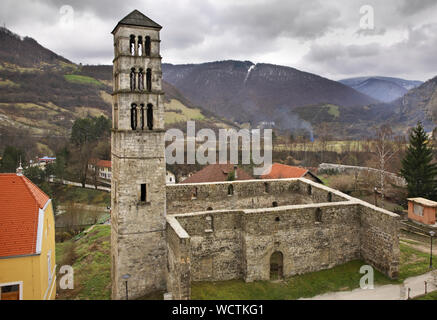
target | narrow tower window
[
  {"x": 143, "y": 193},
  {"x": 147, "y": 46},
  {"x": 329, "y": 197},
  {"x": 142, "y": 114},
  {"x": 133, "y": 116},
  {"x": 132, "y": 79},
  {"x": 141, "y": 80},
  {"x": 149, "y": 79},
  {"x": 140, "y": 46},
  {"x": 132, "y": 45},
  {"x": 150, "y": 116}
]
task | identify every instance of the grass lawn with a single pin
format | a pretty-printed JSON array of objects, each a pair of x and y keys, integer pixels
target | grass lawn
[
  {"x": 340, "y": 278},
  {"x": 429, "y": 296},
  {"x": 66, "y": 193},
  {"x": 74, "y": 78}
]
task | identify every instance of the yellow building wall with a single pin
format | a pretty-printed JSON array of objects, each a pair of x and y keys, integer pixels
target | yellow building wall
[{"x": 32, "y": 271}]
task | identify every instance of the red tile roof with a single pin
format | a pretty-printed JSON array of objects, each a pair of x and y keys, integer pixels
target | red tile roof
[
  {"x": 282, "y": 171},
  {"x": 20, "y": 201},
  {"x": 217, "y": 173},
  {"x": 101, "y": 163}
]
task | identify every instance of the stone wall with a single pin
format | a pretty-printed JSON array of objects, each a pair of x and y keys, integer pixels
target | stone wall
[
  {"x": 178, "y": 248},
  {"x": 252, "y": 194},
  {"x": 238, "y": 244},
  {"x": 380, "y": 239}
]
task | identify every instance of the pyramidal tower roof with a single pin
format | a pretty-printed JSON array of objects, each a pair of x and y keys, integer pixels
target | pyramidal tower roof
[{"x": 136, "y": 18}]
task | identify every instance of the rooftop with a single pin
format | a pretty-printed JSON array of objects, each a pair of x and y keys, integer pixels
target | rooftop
[
  {"x": 136, "y": 18},
  {"x": 20, "y": 201},
  {"x": 424, "y": 202}
]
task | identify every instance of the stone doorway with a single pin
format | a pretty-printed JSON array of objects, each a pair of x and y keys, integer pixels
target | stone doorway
[{"x": 276, "y": 266}]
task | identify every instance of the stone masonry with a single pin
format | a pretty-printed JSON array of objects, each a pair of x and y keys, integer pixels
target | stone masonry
[{"x": 165, "y": 237}]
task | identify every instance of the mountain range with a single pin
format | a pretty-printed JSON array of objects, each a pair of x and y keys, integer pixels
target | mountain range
[
  {"x": 43, "y": 92},
  {"x": 384, "y": 89}
]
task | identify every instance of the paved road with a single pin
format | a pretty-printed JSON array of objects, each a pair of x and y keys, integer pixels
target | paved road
[
  {"x": 77, "y": 184},
  {"x": 387, "y": 292}
]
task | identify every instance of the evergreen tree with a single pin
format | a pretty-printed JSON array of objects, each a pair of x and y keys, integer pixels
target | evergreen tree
[{"x": 417, "y": 167}]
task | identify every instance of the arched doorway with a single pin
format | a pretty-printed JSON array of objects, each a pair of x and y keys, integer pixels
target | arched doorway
[{"x": 276, "y": 265}]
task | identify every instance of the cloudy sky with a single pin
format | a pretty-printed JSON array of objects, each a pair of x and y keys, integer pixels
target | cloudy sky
[{"x": 330, "y": 38}]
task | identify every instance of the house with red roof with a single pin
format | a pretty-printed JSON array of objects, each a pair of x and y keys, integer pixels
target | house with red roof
[
  {"x": 27, "y": 241},
  {"x": 282, "y": 171}
]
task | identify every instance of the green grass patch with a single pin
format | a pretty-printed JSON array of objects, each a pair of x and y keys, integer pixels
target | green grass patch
[
  {"x": 341, "y": 278},
  {"x": 74, "y": 78},
  {"x": 64, "y": 194},
  {"x": 413, "y": 262},
  {"x": 429, "y": 296},
  {"x": 92, "y": 265}
]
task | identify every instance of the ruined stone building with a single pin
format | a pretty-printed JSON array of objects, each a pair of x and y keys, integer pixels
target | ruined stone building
[{"x": 166, "y": 236}]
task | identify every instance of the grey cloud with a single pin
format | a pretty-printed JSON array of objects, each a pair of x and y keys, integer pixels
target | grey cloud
[
  {"x": 411, "y": 7},
  {"x": 412, "y": 58}
]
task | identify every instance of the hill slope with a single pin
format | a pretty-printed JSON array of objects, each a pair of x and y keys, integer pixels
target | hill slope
[{"x": 43, "y": 93}]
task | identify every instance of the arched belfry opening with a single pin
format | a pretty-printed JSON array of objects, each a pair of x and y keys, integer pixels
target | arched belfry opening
[
  {"x": 141, "y": 80},
  {"x": 132, "y": 79},
  {"x": 142, "y": 115},
  {"x": 147, "y": 46},
  {"x": 276, "y": 265},
  {"x": 132, "y": 45},
  {"x": 150, "y": 116},
  {"x": 149, "y": 79},
  {"x": 140, "y": 46},
  {"x": 133, "y": 116}
]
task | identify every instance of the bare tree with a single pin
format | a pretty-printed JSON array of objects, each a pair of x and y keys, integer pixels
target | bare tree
[{"x": 385, "y": 149}]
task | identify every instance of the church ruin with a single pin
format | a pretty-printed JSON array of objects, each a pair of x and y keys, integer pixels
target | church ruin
[{"x": 164, "y": 237}]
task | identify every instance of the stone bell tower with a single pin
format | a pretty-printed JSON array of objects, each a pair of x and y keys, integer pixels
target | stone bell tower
[{"x": 138, "y": 244}]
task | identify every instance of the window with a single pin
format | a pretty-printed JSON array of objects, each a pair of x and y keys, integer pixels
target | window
[
  {"x": 141, "y": 80},
  {"x": 418, "y": 209},
  {"x": 142, "y": 116},
  {"x": 277, "y": 219},
  {"x": 274, "y": 204},
  {"x": 140, "y": 46},
  {"x": 132, "y": 79},
  {"x": 150, "y": 116},
  {"x": 149, "y": 79},
  {"x": 147, "y": 46},
  {"x": 318, "y": 215},
  {"x": 266, "y": 187},
  {"x": 309, "y": 190},
  {"x": 231, "y": 190},
  {"x": 133, "y": 116},
  {"x": 115, "y": 116},
  {"x": 194, "y": 194},
  {"x": 143, "y": 193},
  {"x": 10, "y": 292},
  {"x": 329, "y": 197},
  {"x": 132, "y": 45}
]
